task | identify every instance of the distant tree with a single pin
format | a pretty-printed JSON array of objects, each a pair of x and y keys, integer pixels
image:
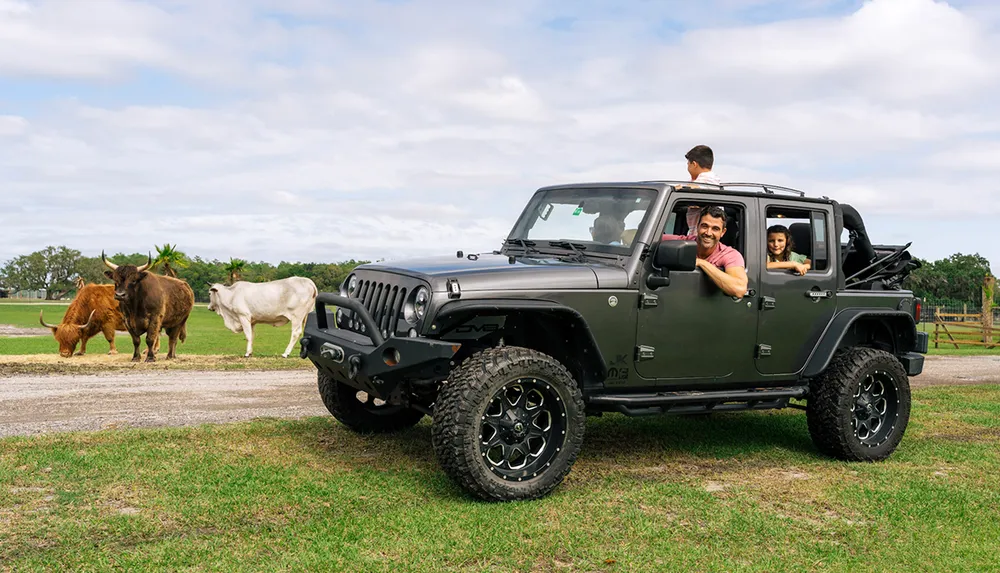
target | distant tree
[
  {"x": 91, "y": 270},
  {"x": 235, "y": 269},
  {"x": 956, "y": 279},
  {"x": 200, "y": 274},
  {"x": 169, "y": 257},
  {"x": 52, "y": 269}
]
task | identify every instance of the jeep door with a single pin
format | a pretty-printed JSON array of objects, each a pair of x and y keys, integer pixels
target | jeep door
[
  {"x": 690, "y": 332},
  {"x": 794, "y": 309}
]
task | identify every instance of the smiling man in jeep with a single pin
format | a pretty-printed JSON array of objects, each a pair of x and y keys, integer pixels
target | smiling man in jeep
[{"x": 723, "y": 264}]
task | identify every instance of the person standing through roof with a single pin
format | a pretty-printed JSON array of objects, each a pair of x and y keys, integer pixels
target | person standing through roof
[{"x": 700, "y": 161}]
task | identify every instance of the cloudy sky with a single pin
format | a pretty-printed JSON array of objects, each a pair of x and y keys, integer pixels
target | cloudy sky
[{"x": 323, "y": 130}]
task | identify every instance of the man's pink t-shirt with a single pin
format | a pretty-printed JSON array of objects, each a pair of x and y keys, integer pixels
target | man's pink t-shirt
[{"x": 723, "y": 256}]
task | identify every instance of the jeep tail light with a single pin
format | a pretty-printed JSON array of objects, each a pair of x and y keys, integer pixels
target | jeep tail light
[{"x": 916, "y": 311}]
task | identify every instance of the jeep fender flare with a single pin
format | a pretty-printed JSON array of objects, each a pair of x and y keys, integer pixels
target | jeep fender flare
[
  {"x": 900, "y": 325},
  {"x": 590, "y": 357}
]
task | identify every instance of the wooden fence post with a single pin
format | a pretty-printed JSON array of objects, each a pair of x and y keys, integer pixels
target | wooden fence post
[
  {"x": 937, "y": 321},
  {"x": 989, "y": 286}
]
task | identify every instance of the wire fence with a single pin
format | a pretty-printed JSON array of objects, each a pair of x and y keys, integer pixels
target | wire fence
[
  {"x": 23, "y": 294},
  {"x": 932, "y": 313}
]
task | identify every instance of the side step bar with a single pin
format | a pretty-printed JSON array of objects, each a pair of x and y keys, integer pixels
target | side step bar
[{"x": 696, "y": 402}]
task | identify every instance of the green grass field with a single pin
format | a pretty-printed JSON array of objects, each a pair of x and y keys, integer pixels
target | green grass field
[
  {"x": 737, "y": 492},
  {"x": 206, "y": 334}
]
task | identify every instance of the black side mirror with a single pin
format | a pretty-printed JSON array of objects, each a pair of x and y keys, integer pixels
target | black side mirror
[
  {"x": 677, "y": 255},
  {"x": 672, "y": 256}
]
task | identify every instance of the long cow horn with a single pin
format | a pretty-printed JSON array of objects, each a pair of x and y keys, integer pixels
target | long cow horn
[
  {"x": 145, "y": 266},
  {"x": 89, "y": 318},
  {"x": 110, "y": 265},
  {"x": 41, "y": 319}
]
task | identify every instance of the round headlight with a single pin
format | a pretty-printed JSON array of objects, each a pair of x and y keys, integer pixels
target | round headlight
[
  {"x": 420, "y": 300},
  {"x": 352, "y": 285}
]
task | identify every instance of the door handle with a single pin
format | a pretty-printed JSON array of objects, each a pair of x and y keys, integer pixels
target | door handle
[
  {"x": 816, "y": 295},
  {"x": 767, "y": 302}
]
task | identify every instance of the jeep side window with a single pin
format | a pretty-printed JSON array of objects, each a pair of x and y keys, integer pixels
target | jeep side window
[
  {"x": 677, "y": 222},
  {"x": 795, "y": 237}
]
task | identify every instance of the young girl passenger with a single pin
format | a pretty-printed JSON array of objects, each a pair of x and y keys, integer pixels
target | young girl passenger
[{"x": 780, "y": 254}]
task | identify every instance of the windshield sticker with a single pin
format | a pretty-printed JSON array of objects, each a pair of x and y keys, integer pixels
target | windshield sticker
[{"x": 578, "y": 211}]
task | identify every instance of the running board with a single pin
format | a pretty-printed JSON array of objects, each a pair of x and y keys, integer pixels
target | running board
[{"x": 697, "y": 402}]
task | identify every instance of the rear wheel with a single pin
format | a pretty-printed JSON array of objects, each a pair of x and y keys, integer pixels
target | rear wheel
[
  {"x": 362, "y": 412},
  {"x": 508, "y": 424},
  {"x": 859, "y": 407}
]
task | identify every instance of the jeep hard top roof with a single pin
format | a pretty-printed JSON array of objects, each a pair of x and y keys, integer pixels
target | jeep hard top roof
[{"x": 728, "y": 188}]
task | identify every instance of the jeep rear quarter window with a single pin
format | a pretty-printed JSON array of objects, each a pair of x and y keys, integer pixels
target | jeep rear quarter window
[{"x": 808, "y": 229}]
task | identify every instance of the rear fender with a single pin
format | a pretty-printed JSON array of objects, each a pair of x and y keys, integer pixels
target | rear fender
[{"x": 890, "y": 330}]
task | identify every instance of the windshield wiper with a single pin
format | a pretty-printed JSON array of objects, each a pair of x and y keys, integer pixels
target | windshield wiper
[
  {"x": 577, "y": 248},
  {"x": 526, "y": 246}
]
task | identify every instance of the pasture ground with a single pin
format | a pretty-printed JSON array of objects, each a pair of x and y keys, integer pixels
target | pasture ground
[
  {"x": 209, "y": 345},
  {"x": 724, "y": 493}
]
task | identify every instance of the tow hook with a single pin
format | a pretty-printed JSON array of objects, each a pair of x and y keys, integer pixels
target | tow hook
[{"x": 303, "y": 347}]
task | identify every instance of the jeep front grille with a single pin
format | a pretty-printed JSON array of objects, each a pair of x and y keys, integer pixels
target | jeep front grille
[{"x": 384, "y": 301}]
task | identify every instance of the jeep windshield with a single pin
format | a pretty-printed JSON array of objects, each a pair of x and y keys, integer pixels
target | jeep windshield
[{"x": 581, "y": 221}]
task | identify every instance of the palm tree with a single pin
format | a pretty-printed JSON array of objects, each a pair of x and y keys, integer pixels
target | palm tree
[
  {"x": 235, "y": 268},
  {"x": 169, "y": 257}
]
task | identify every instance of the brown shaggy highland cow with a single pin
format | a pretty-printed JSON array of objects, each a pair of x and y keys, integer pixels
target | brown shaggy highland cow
[{"x": 94, "y": 310}]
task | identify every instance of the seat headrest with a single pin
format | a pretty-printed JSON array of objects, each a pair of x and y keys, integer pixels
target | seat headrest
[{"x": 801, "y": 236}]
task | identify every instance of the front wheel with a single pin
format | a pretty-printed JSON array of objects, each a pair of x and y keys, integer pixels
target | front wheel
[
  {"x": 859, "y": 407},
  {"x": 508, "y": 424},
  {"x": 362, "y": 412}
]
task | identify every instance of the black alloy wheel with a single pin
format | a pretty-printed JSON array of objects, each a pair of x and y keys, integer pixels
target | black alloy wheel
[
  {"x": 876, "y": 408},
  {"x": 523, "y": 428}
]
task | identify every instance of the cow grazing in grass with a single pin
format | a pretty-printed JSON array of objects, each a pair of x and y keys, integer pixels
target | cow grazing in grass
[
  {"x": 94, "y": 310},
  {"x": 244, "y": 304},
  {"x": 151, "y": 303}
]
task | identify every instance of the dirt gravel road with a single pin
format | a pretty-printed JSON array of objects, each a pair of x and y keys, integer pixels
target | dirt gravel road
[{"x": 32, "y": 404}]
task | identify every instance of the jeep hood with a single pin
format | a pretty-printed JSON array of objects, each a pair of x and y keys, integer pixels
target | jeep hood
[{"x": 496, "y": 272}]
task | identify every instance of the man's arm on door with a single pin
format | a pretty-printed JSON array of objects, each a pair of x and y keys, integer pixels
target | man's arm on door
[{"x": 733, "y": 281}]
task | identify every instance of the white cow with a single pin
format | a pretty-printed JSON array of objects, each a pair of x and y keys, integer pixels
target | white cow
[{"x": 244, "y": 304}]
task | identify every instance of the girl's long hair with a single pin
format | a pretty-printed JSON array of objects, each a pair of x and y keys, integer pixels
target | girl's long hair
[{"x": 789, "y": 244}]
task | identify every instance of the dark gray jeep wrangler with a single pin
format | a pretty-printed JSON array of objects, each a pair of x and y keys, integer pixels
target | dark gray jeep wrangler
[{"x": 510, "y": 351}]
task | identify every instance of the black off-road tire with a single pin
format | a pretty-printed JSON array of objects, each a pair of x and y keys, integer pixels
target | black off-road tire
[
  {"x": 363, "y": 417},
  {"x": 833, "y": 406},
  {"x": 465, "y": 420}
]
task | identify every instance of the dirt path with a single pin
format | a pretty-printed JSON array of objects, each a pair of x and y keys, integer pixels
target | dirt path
[
  {"x": 39, "y": 404},
  {"x": 32, "y": 404}
]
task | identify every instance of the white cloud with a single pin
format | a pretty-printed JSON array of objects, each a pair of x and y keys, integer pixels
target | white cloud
[
  {"x": 381, "y": 129},
  {"x": 79, "y": 39}
]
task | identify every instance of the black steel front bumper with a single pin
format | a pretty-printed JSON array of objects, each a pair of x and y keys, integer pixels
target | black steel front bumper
[{"x": 368, "y": 361}]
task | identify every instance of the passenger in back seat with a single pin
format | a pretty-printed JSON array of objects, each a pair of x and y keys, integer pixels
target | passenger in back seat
[{"x": 780, "y": 251}]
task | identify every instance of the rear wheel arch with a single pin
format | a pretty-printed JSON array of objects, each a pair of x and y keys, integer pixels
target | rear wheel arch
[{"x": 888, "y": 330}]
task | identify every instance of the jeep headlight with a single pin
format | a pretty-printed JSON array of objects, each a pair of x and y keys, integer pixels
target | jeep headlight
[
  {"x": 415, "y": 310},
  {"x": 352, "y": 285}
]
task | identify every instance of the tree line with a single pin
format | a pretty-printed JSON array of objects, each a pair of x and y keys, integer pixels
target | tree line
[
  {"x": 953, "y": 280},
  {"x": 60, "y": 270}
]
